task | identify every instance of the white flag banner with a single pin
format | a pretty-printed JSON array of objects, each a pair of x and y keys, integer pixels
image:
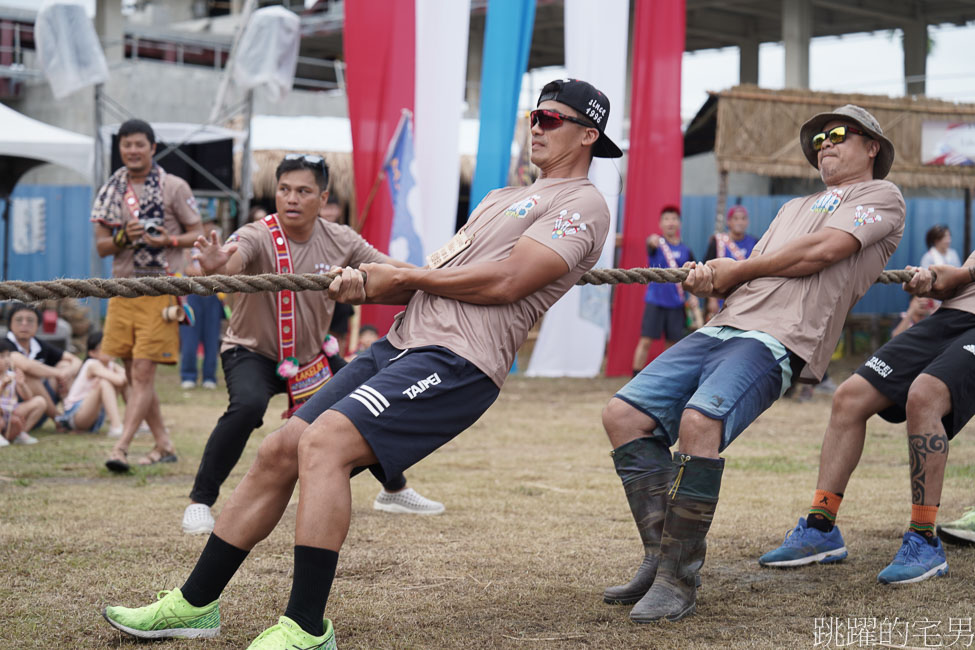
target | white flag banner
[
  {"x": 596, "y": 35},
  {"x": 438, "y": 104},
  {"x": 29, "y": 231}
]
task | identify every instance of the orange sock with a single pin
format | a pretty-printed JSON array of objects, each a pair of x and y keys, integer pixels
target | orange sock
[
  {"x": 822, "y": 513},
  {"x": 922, "y": 520}
]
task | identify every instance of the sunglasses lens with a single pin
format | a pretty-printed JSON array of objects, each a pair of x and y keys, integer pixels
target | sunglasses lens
[
  {"x": 546, "y": 121},
  {"x": 837, "y": 135},
  {"x": 817, "y": 141}
]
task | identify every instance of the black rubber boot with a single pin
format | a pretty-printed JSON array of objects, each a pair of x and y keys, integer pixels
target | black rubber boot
[
  {"x": 690, "y": 507},
  {"x": 645, "y": 467}
]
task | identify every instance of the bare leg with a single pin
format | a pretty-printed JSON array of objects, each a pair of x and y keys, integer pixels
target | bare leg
[
  {"x": 854, "y": 402},
  {"x": 640, "y": 354},
  {"x": 110, "y": 403},
  {"x": 141, "y": 375},
  {"x": 624, "y": 424},
  {"x": 699, "y": 434},
  {"x": 927, "y": 402},
  {"x": 256, "y": 505},
  {"x": 31, "y": 411},
  {"x": 328, "y": 451},
  {"x": 37, "y": 387},
  {"x": 87, "y": 411}
]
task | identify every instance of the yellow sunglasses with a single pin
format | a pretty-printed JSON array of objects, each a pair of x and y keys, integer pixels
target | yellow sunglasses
[{"x": 836, "y": 135}]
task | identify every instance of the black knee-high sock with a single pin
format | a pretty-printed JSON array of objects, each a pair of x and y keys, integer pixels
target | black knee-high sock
[
  {"x": 218, "y": 563},
  {"x": 314, "y": 572}
]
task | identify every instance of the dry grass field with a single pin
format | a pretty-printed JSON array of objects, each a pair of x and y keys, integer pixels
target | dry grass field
[{"x": 536, "y": 526}]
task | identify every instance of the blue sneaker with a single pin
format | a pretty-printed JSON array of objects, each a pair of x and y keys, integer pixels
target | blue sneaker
[
  {"x": 805, "y": 545},
  {"x": 915, "y": 561}
]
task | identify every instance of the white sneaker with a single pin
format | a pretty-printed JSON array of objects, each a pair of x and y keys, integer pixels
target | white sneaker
[
  {"x": 210, "y": 385},
  {"x": 24, "y": 438},
  {"x": 115, "y": 432},
  {"x": 406, "y": 502},
  {"x": 4, "y": 442},
  {"x": 197, "y": 519},
  {"x": 187, "y": 385}
]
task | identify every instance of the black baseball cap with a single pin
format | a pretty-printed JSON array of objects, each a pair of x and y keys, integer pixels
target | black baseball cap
[{"x": 590, "y": 103}]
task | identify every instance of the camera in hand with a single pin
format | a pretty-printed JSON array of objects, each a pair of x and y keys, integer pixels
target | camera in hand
[{"x": 152, "y": 229}]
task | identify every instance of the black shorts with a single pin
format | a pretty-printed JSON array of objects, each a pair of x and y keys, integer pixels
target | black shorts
[
  {"x": 663, "y": 321},
  {"x": 943, "y": 346},
  {"x": 405, "y": 403}
]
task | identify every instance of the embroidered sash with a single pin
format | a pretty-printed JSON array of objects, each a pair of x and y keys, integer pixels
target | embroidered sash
[
  {"x": 672, "y": 263},
  {"x": 727, "y": 244},
  {"x": 303, "y": 381}
]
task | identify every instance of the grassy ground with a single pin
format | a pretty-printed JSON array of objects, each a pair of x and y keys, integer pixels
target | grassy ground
[{"x": 536, "y": 526}]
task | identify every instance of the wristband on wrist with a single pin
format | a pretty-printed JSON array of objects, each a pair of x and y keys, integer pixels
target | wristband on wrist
[
  {"x": 120, "y": 238},
  {"x": 174, "y": 242}
]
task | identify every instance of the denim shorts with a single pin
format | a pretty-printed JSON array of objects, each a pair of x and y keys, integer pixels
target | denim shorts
[
  {"x": 725, "y": 373},
  {"x": 71, "y": 412}
]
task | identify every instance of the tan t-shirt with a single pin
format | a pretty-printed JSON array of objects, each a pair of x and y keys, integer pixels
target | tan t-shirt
[
  {"x": 254, "y": 320},
  {"x": 807, "y": 313},
  {"x": 567, "y": 215},
  {"x": 965, "y": 299},
  {"x": 179, "y": 212}
]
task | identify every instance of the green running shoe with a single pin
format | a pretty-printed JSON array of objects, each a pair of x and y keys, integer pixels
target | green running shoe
[
  {"x": 169, "y": 617},
  {"x": 960, "y": 531},
  {"x": 287, "y": 635}
]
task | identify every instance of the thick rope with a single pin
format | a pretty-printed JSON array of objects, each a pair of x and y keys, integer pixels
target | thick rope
[{"x": 212, "y": 284}]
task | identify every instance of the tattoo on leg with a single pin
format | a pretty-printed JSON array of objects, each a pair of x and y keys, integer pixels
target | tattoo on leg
[{"x": 918, "y": 447}]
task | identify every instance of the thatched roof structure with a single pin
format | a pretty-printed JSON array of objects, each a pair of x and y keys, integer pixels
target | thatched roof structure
[{"x": 757, "y": 130}]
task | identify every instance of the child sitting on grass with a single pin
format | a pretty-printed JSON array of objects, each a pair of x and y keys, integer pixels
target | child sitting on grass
[
  {"x": 94, "y": 393},
  {"x": 16, "y": 419}
]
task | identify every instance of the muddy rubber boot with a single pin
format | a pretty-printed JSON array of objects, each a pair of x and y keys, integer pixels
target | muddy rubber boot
[
  {"x": 690, "y": 507},
  {"x": 645, "y": 467}
]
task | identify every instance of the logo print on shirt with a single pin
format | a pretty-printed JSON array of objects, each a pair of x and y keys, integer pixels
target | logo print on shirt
[
  {"x": 879, "y": 366},
  {"x": 422, "y": 385},
  {"x": 568, "y": 226},
  {"x": 828, "y": 202},
  {"x": 371, "y": 398},
  {"x": 969, "y": 348},
  {"x": 521, "y": 209},
  {"x": 865, "y": 215},
  {"x": 321, "y": 267}
]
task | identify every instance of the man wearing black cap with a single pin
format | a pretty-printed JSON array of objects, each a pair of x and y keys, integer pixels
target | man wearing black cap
[
  {"x": 440, "y": 367},
  {"x": 783, "y": 314}
]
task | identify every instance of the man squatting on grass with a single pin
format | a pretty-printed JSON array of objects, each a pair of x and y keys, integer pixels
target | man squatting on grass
[
  {"x": 439, "y": 369},
  {"x": 784, "y": 312},
  {"x": 925, "y": 375},
  {"x": 257, "y": 343}
]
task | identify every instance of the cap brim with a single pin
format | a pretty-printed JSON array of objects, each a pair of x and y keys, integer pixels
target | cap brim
[
  {"x": 606, "y": 148},
  {"x": 815, "y": 124}
]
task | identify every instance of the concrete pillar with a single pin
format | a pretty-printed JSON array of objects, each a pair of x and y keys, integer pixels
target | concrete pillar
[
  {"x": 797, "y": 23},
  {"x": 748, "y": 62},
  {"x": 915, "y": 57},
  {"x": 110, "y": 27}
]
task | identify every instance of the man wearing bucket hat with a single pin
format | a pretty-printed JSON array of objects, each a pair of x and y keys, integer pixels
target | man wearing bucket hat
[
  {"x": 440, "y": 367},
  {"x": 783, "y": 314}
]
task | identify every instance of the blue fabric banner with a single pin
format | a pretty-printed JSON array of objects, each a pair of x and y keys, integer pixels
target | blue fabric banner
[
  {"x": 507, "y": 39},
  {"x": 404, "y": 240}
]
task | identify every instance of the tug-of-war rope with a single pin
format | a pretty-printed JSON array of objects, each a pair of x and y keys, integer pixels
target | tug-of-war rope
[{"x": 213, "y": 284}]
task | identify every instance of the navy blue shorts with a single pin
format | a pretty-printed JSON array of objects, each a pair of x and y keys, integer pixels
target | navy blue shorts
[
  {"x": 658, "y": 321},
  {"x": 405, "y": 403}
]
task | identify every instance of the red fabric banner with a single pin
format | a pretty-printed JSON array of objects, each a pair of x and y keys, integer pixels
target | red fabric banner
[
  {"x": 380, "y": 50},
  {"x": 654, "y": 166}
]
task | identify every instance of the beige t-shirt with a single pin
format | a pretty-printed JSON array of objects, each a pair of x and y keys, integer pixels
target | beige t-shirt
[
  {"x": 567, "y": 215},
  {"x": 254, "y": 320},
  {"x": 807, "y": 313},
  {"x": 179, "y": 213},
  {"x": 965, "y": 299}
]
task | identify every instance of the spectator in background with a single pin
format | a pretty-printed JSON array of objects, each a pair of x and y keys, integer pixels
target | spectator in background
[
  {"x": 256, "y": 213},
  {"x": 664, "y": 312},
  {"x": 143, "y": 217},
  {"x": 938, "y": 241},
  {"x": 16, "y": 419},
  {"x": 94, "y": 394},
  {"x": 205, "y": 328},
  {"x": 735, "y": 244},
  {"x": 48, "y": 370},
  {"x": 332, "y": 210}
]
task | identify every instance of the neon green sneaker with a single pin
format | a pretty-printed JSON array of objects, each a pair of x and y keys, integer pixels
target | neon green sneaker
[
  {"x": 959, "y": 531},
  {"x": 287, "y": 635},
  {"x": 169, "y": 617}
]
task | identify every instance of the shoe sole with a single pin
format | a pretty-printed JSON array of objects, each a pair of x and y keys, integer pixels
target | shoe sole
[
  {"x": 174, "y": 633},
  {"x": 956, "y": 535},
  {"x": 117, "y": 466},
  {"x": 827, "y": 557},
  {"x": 940, "y": 570},
  {"x": 635, "y": 597},
  {"x": 673, "y": 618},
  {"x": 198, "y": 530},
  {"x": 395, "y": 508}
]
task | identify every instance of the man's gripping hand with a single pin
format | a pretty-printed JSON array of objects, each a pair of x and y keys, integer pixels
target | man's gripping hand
[
  {"x": 348, "y": 286},
  {"x": 699, "y": 280}
]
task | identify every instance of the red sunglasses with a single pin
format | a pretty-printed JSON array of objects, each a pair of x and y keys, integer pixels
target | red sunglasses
[{"x": 548, "y": 120}]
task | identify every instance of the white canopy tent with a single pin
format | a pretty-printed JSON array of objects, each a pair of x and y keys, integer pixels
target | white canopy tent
[{"x": 25, "y": 137}]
